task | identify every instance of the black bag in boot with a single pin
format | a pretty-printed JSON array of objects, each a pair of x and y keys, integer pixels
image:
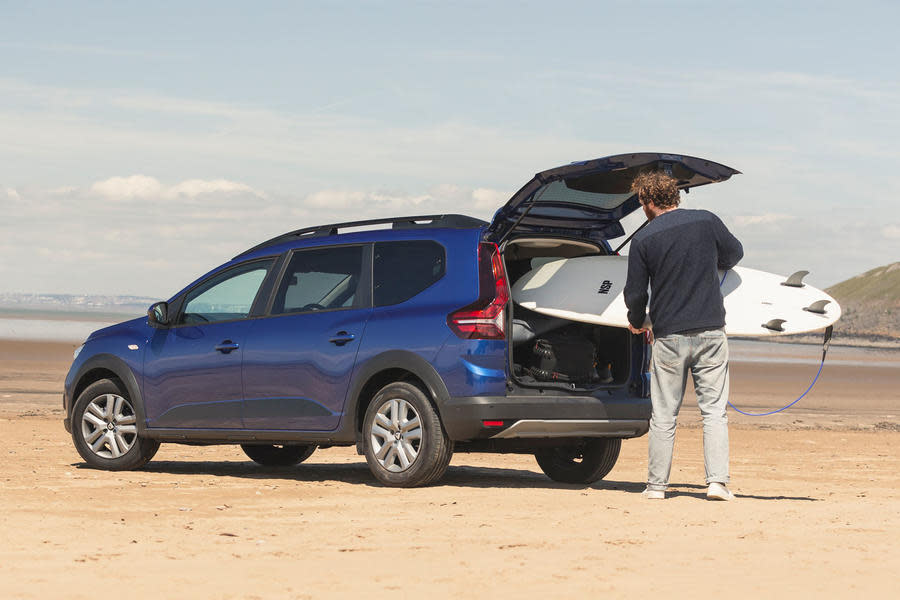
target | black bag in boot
[{"x": 559, "y": 356}]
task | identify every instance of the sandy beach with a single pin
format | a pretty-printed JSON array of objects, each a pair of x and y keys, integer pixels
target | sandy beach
[{"x": 816, "y": 513}]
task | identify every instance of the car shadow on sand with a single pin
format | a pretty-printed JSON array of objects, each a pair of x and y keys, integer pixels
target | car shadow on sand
[
  {"x": 355, "y": 473},
  {"x": 464, "y": 476}
]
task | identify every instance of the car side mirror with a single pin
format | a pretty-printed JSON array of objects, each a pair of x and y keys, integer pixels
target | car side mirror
[{"x": 158, "y": 314}]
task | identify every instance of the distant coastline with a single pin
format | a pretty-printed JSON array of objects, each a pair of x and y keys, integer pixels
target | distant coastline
[
  {"x": 64, "y": 317},
  {"x": 75, "y": 303},
  {"x": 41, "y": 314}
]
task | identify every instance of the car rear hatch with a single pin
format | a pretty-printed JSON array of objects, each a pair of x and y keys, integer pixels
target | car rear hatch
[{"x": 588, "y": 199}]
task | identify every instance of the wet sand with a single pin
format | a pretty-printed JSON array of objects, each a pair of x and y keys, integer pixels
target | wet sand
[{"x": 816, "y": 514}]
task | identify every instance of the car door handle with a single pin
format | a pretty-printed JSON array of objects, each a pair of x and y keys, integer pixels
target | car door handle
[
  {"x": 227, "y": 346},
  {"x": 341, "y": 338}
]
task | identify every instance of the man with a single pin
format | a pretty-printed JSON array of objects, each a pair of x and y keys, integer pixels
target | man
[{"x": 678, "y": 253}]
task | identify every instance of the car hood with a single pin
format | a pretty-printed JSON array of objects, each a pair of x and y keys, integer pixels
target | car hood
[
  {"x": 124, "y": 327},
  {"x": 589, "y": 198}
]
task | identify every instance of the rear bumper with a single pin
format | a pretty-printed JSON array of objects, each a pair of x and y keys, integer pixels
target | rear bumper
[
  {"x": 545, "y": 417},
  {"x": 566, "y": 428}
]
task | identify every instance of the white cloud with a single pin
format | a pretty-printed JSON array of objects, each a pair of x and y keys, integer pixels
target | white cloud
[
  {"x": 144, "y": 187},
  {"x": 336, "y": 199},
  {"x": 441, "y": 199},
  {"x": 490, "y": 200},
  {"x": 62, "y": 190},
  {"x": 198, "y": 187},
  {"x": 891, "y": 232},
  {"x": 764, "y": 219},
  {"x": 183, "y": 231},
  {"x": 135, "y": 186}
]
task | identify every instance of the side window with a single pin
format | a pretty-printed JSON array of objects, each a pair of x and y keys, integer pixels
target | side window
[
  {"x": 227, "y": 296},
  {"x": 320, "y": 279},
  {"x": 403, "y": 269}
]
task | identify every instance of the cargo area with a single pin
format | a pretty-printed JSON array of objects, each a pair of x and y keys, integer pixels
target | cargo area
[{"x": 553, "y": 352}]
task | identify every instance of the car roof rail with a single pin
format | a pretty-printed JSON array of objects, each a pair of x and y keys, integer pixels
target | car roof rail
[{"x": 449, "y": 221}]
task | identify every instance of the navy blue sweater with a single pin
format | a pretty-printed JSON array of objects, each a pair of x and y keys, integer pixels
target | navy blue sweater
[{"x": 677, "y": 254}]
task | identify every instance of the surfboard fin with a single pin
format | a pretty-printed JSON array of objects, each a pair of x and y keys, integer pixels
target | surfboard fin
[
  {"x": 817, "y": 307},
  {"x": 795, "y": 280},
  {"x": 774, "y": 324}
]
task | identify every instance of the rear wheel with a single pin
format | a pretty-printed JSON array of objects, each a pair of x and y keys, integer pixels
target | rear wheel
[
  {"x": 104, "y": 428},
  {"x": 403, "y": 439},
  {"x": 589, "y": 461},
  {"x": 278, "y": 456}
]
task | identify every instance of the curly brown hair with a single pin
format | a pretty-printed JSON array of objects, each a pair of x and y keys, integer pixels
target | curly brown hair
[{"x": 657, "y": 188}]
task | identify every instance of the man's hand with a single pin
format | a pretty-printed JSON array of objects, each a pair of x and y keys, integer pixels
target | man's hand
[{"x": 646, "y": 330}]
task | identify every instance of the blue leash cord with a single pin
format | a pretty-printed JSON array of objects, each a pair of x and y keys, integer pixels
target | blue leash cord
[
  {"x": 828, "y": 332},
  {"x": 772, "y": 412}
]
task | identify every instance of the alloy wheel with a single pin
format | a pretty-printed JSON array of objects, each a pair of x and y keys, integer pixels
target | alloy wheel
[
  {"x": 396, "y": 435},
  {"x": 108, "y": 426}
]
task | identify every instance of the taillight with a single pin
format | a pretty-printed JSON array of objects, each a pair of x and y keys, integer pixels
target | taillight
[{"x": 485, "y": 319}]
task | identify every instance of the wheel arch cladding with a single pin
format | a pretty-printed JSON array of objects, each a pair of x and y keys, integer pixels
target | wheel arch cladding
[
  {"x": 91, "y": 376},
  {"x": 110, "y": 367},
  {"x": 396, "y": 365}
]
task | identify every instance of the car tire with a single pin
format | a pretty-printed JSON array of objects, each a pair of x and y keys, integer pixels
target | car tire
[
  {"x": 104, "y": 428},
  {"x": 404, "y": 442},
  {"x": 589, "y": 461},
  {"x": 278, "y": 456}
]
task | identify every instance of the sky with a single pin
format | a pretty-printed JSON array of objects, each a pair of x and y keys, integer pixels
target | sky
[{"x": 142, "y": 144}]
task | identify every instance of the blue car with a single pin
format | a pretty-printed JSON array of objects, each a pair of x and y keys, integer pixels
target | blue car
[{"x": 401, "y": 340}]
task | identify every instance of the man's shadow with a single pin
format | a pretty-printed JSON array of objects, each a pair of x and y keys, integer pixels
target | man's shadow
[{"x": 693, "y": 490}]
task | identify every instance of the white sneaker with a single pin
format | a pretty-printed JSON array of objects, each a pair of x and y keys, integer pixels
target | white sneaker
[
  {"x": 718, "y": 491},
  {"x": 651, "y": 494}
]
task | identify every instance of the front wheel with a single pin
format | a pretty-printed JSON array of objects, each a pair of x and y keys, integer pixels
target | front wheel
[
  {"x": 403, "y": 439},
  {"x": 590, "y": 460},
  {"x": 278, "y": 456},
  {"x": 104, "y": 428}
]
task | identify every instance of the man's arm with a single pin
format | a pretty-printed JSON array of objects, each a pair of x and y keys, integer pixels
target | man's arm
[
  {"x": 635, "y": 293},
  {"x": 729, "y": 247}
]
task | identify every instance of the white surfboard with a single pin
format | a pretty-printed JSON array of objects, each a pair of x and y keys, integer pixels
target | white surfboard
[{"x": 589, "y": 289}]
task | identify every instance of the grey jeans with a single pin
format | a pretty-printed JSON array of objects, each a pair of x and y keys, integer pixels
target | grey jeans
[{"x": 705, "y": 356}]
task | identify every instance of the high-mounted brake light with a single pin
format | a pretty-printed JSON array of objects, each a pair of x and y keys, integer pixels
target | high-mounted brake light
[{"x": 485, "y": 319}]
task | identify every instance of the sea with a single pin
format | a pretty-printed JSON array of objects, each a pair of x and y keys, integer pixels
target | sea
[{"x": 56, "y": 326}]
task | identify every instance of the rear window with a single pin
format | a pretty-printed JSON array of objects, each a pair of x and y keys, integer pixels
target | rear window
[
  {"x": 610, "y": 189},
  {"x": 404, "y": 269},
  {"x": 559, "y": 192}
]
